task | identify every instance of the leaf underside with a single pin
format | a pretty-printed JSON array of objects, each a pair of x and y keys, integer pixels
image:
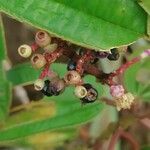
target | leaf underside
[{"x": 97, "y": 24}]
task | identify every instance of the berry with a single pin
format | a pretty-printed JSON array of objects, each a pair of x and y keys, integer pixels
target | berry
[
  {"x": 72, "y": 77},
  {"x": 82, "y": 51},
  {"x": 38, "y": 61},
  {"x": 91, "y": 95},
  {"x": 42, "y": 38},
  {"x": 50, "y": 47},
  {"x": 57, "y": 86},
  {"x": 114, "y": 55},
  {"x": 25, "y": 51},
  {"x": 80, "y": 91},
  {"x": 46, "y": 89},
  {"x": 71, "y": 65},
  {"x": 39, "y": 84},
  {"x": 87, "y": 86}
]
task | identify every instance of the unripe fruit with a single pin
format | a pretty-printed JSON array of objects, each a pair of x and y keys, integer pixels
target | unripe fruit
[
  {"x": 38, "y": 61},
  {"x": 80, "y": 91},
  {"x": 46, "y": 89},
  {"x": 72, "y": 77},
  {"x": 42, "y": 38},
  {"x": 25, "y": 51},
  {"x": 39, "y": 84},
  {"x": 50, "y": 47}
]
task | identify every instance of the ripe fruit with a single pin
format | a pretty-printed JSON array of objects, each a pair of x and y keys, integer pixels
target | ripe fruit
[
  {"x": 25, "y": 51},
  {"x": 71, "y": 65},
  {"x": 91, "y": 95},
  {"x": 114, "y": 54},
  {"x": 46, "y": 89}
]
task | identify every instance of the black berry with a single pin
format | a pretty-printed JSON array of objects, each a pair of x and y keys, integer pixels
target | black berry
[
  {"x": 91, "y": 96},
  {"x": 114, "y": 55},
  {"x": 71, "y": 65},
  {"x": 46, "y": 89}
]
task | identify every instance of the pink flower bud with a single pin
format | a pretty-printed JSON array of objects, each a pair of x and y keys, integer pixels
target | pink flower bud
[{"x": 117, "y": 90}]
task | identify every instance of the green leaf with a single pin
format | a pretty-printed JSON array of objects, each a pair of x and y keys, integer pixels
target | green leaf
[
  {"x": 148, "y": 25},
  {"x": 26, "y": 74},
  {"x": 5, "y": 98},
  {"x": 69, "y": 111},
  {"x": 67, "y": 115},
  {"x": 5, "y": 87},
  {"x": 96, "y": 24},
  {"x": 147, "y": 147},
  {"x": 2, "y": 41},
  {"x": 22, "y": 74},
  {"x": 145, "y": 4},
  {"x": 130, "y": 78},
  {"x": 140, "y": 89}
]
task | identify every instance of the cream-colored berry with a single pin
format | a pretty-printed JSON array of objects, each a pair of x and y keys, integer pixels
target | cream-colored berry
[
  {"x": 72, "y": 77},
  {"x": 39, "y": 84},
  {"x": 25, "y": 50},
  {"x": 42, "y": 38},
  {"x": 80, "y": 91},
  {"x": 50, "y": 47},
  {"x": 38, "y": 61}
]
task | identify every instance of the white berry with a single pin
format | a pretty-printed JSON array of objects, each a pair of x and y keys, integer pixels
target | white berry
[
  {"x": 39, "y": 84},
  {"x": 80, "y": 91},
  {"x": 25, "y": 51}
]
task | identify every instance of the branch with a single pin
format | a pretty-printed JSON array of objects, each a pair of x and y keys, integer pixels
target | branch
[{"x": 120, "y": 133}]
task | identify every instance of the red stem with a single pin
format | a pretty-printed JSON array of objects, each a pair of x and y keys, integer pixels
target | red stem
[
  {"x": 45, "y": 71},
  {"x": 115, "y": 137},
  {"x": 34, "y": 47},
  {"x": 130, "y": 139},
  {"x": 83, "y": 60},
  {"x": 121, "y": 133},
  {"x": 125, "y": 66}
]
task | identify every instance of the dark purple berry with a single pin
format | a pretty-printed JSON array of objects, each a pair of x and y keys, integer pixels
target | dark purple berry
[
  {"x": 114, "y": 55},
  {"x": 82, "y": 51},
  {"x": 71, "y": 65},
  {"x": 57, "y": 86},
  {"x": 46, "y": 89},
  {"x": 87, "y": 86},
  {"x": 91, "y": 96}
]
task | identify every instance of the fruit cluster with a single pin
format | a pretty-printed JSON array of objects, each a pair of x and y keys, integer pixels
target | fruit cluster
[{"x": 81, "y": 61}]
